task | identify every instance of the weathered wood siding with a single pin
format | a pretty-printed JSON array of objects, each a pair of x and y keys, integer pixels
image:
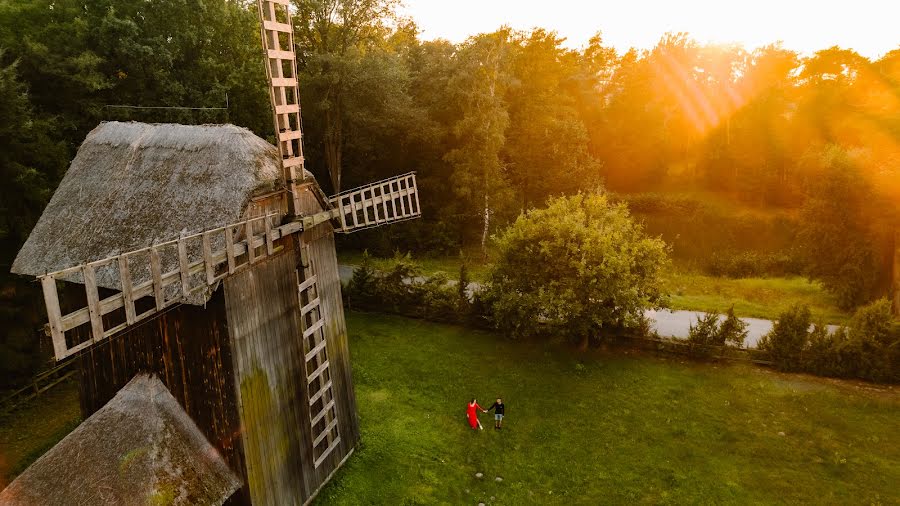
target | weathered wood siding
[
  {"x": 264, "y": 323},
  {"x": 187, "y": 347}
]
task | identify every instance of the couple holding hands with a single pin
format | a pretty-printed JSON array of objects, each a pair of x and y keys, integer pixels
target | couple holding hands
[{"x": 472, "y": 414}]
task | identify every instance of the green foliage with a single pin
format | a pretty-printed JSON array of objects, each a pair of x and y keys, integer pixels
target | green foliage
[
  {"x": 709, "y": 334},
  {"x": 576, "y": 268},
  {"x": 839, "y": 239},
  {"x": 788, "y": 338},
  {"x": 750, "y": 264},
  {"x": 402, "y": 289},
  {"x": 865, "y": 349}
]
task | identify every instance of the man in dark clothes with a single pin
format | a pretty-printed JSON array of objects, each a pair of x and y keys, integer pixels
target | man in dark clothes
[{"x": 499, "y": 411}]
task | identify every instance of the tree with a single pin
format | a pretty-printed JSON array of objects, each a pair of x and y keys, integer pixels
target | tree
[
  {"x": 346, "y": 70},
  {"x": 576, "y": 268},
  {"x": 479, "y": 173},
  {"x": 839, "y": 237},
  {"x": 29, "y": 162}
]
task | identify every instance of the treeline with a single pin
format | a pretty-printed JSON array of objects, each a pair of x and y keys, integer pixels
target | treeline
[{"x": 494, "y": 125}]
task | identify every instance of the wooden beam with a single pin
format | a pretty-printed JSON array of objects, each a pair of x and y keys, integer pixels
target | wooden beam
[
  {"x": 315, "y": 397},
  {"x": 307, "y": 283},
  {"x": 54, "y": 315},
  {"x": 270, "y": 244},
  {"x": 183, "y": 268},
  {"x": 156, "y": 272},
  {"x": 328, "y": 451},
  {"x": 208, "y": 264},
  {"x": 93, "y": 301},
  {"x": 127, "y": 295},
  {"x": 229, "y": 249},
  {"x": 248, "y": 231}
]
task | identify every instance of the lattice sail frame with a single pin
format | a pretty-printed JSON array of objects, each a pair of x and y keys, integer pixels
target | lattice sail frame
[{"x": 277, "y": 31}]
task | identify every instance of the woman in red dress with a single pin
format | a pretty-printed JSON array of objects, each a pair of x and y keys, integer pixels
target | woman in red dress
[{"x": 473, "y": 416}]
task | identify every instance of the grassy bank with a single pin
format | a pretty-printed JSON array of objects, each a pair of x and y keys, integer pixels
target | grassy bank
[
  {"x": 751, "y": 297},
  {"x": 601, "y": 428}
]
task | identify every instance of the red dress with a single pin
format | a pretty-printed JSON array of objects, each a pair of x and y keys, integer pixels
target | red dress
[{"x": 471, "y": 413}]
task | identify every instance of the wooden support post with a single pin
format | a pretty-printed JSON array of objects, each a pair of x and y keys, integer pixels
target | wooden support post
[
  {"x": 208, "y": 264},
  {"x": 229, "y": 249},
  {"x": 184, "y": 267},
  {"x": 415, "y": 189},
  {"x": 93, "y": 300},
  {"x": 156, "y": 272},
  {"x": 251, "y": 252},
  {"x": 127, "y": 289},
  {"x": 270, "y": 245},
  {"x": 54, "y": 316}
]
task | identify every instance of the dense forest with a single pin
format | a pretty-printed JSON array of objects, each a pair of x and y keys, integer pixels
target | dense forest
[{"x": 494, "y": 125}]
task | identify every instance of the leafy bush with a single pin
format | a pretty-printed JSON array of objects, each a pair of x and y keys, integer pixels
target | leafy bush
[
  {"x": 579, "y": 266},
  {"x": 788, "y": 338},
  {"x": 709, "y": 334},
  {"x": 402, "y": 289},
  {"x": 867, "y": 349}
]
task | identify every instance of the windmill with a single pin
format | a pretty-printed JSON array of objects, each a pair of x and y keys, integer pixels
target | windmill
[{"x": 200, "y": 261}]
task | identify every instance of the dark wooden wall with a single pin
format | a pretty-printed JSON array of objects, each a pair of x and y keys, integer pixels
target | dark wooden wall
[{"x": 188, "y": 348}]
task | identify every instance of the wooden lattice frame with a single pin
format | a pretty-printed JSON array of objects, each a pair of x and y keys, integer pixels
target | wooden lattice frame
[{"x": 277, "y": 33}]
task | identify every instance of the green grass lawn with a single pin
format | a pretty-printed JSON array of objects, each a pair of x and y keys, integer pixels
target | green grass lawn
[
  {"x": 603, "y": 428},
  {"x": 751, "y": 297},
  {"x": 754, "y": 297},
  {"x": 29, "y": 431}
]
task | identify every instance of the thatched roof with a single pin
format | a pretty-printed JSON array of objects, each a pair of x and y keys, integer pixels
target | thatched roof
[
  {"x": 135, "y": 184},
  {"x": 140, "y": 448}
]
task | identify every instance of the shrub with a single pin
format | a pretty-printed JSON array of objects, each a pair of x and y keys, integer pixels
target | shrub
[
  {"x": 867, "y": 349},
  {"x": 785, "y": 343},
  {"x": 709, "y": 334},
  {"x": 574, "y": 268},
  {"x": 401, "y": 289}
]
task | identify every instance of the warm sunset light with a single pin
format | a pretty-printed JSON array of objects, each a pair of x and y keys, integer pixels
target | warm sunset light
[
  {"x": 483, "y": 252},
  {"x": 867, "y": 26}
]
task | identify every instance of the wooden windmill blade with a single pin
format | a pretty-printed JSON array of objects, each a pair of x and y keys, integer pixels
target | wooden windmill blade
[
  {"x": 277, "y": 32},
  {"x": 387, "y": 201}
]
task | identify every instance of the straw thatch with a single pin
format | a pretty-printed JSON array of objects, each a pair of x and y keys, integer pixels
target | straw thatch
[
  {"x": 140, "y": 448},
  {"x": 135, "y": 184}
]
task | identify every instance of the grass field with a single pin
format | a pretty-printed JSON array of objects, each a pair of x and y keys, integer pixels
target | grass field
[
  {"x": 603, "y": 428},
  {"x": 751, "y": 297},
  {"x": 595, "y": 428},
  {"x": 26, "y": 433}
]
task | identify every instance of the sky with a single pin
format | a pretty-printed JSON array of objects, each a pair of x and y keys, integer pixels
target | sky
[{"x": 871, "y": 27}]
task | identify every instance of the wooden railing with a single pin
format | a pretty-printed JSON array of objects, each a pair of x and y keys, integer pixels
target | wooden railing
[
  {"x": 387, "y": 201},
  {"x": 198, "y": 264}
]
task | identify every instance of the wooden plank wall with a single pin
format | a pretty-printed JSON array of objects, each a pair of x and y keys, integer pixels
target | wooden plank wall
[
  {"x": 264, "y": 326},
  {"x": 187, "y": 347}
]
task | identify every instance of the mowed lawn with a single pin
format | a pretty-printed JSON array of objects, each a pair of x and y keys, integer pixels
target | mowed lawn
[{"x": 603, "y": 428}]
